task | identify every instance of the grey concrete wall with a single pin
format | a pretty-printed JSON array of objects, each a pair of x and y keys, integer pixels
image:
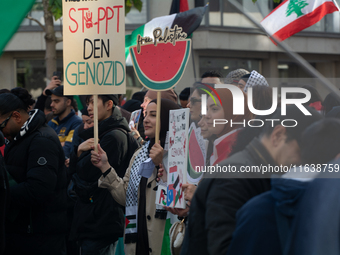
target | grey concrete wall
[{"x": 7, "y": 71}]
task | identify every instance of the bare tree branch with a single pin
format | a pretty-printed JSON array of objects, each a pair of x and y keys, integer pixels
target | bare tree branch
[
  {"x": 59, "y": 39},
  {"x": 37, "y": 21}
]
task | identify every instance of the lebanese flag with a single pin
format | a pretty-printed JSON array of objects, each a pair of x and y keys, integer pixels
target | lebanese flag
[
  {"x": 292, "y": 16},
  {"x": 189, "y": 21}
]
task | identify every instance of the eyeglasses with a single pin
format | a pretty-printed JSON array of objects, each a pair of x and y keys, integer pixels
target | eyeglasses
[
  {"x": 4, "y": 123},
  {"x": 195, "y": 100}
]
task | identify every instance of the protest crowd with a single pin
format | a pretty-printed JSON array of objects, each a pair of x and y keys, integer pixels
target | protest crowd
[{"x": 61, "y": 195}]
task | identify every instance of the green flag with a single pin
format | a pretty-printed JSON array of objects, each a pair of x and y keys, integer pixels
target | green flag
[{"x": 11, "y": 15}]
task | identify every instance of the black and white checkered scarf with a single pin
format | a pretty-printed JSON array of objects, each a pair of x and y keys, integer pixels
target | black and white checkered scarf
[
  {"x": 254, "y": 80},
  {"x": 131, "y": 205}
]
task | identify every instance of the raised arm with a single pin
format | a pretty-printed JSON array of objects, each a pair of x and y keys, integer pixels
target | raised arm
[{"x": 110, "y": 179}]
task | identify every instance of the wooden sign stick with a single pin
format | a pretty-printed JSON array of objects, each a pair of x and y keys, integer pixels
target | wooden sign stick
[
  {"x": 95, "y": 119},
  {"x": 158, "y": 116}
]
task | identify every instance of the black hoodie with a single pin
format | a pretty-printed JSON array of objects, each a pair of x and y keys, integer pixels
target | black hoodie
[{"x": 97, "y": 215}]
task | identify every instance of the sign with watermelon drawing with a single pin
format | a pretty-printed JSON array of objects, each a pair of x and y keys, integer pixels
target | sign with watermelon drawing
[
  {"x": 160, "y": 62},
  {"x": 177, "y": 157},
  {"x": 196, "y": 154},
  {"x": 94, "y": 47}
]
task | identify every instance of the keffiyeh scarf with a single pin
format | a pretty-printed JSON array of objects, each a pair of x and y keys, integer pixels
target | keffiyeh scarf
[
  {"x": 132, "y": 195},
  {"x": 255, "y": 79}
]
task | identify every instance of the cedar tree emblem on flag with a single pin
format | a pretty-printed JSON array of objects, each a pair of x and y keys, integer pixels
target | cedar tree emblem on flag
[
  {"x": 283, "y": 23},
  {"x": 296, "y": 6}
]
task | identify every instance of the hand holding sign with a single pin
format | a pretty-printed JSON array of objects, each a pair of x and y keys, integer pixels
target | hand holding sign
[
  {"x": 156, "y": 154},
  {"x": 100, "y": 159}
]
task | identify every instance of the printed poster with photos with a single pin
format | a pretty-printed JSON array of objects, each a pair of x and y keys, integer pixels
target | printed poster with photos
[
  {"x": 177, "y": 157},
  {"x": 134, "y": 119}
]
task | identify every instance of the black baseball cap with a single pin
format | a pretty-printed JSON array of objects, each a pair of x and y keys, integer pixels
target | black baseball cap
[{"x": 58, "y": 91}]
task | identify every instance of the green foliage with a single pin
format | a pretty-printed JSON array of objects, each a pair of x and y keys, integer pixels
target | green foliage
[
  {"x": 138, "y": 4},
  {"x": 56, "y": 7},
  {"x": 38, "y": 6}
]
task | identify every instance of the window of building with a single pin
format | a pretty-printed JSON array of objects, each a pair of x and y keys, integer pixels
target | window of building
[
  {"x": 226, "y": 65},
  {"x": 31, "y": 74},
  {"x": 289, "y": 69}
]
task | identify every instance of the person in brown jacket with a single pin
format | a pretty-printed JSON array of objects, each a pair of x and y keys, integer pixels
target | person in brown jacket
[{"x": 145, "y": 224}]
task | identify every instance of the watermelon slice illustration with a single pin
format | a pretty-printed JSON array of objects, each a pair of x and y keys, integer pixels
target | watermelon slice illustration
[
  {"x": 196, "y": 157},
  {"x": 161, "y": 67}
]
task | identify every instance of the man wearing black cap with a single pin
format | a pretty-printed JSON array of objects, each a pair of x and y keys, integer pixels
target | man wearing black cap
[
  {"x": 98, "y": 219},
  {"x": 66, "y": 119},
  {"x": 217, "y": 199}
]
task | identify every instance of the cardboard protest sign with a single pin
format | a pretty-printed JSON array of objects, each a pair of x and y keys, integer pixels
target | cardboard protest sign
[
  {"x": 196, "y": 157},
  {"x": 134, "y": 119},
  {"x": 161, "y": 195},
  {"x": 94, "y": 47},
  {"x": 177, "y": 156},
  {"x": 159, "y": 62},
  {"x": 162, "y": 188}
]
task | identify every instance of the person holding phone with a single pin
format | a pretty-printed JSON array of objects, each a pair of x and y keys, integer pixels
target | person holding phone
[{"x": 54, "y": 83}]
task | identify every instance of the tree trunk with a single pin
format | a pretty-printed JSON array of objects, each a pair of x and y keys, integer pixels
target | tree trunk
[{"x": 50, "y": 39}]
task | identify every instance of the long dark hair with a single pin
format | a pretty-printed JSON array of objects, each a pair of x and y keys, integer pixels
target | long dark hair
[
  {"x": 17, "y": 99},
  {"x": 166, "y": 106}
]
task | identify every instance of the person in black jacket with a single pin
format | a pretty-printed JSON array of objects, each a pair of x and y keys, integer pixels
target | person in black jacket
[
  {"x": 98, "y": 218},
  {"x": 3, "y": 196},
  {"x": 275, "y": 215},
  {"x": 34, "y": 158},
  {"x": 213, "y": 208}
]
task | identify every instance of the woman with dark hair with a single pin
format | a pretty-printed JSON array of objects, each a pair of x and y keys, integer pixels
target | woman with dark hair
[
  {"x": 135, "y": 191},
  {"x": 226, "y": 134},
  {"x": 34, "y": 160}
]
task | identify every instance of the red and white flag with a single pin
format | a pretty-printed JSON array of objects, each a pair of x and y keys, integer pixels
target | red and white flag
[{"x": 292, "y": 16}]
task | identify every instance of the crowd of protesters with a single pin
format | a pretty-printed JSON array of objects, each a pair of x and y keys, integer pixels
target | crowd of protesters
[{"x": 61, "y": 195}]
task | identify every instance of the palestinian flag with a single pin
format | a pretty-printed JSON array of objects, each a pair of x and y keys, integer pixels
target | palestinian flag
[
  {"x": 11, "y": 15},
  {"x": 292, "y": 16},
  {"x": 189, "y": 21},
  {"x": 178, "y": 6}
]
